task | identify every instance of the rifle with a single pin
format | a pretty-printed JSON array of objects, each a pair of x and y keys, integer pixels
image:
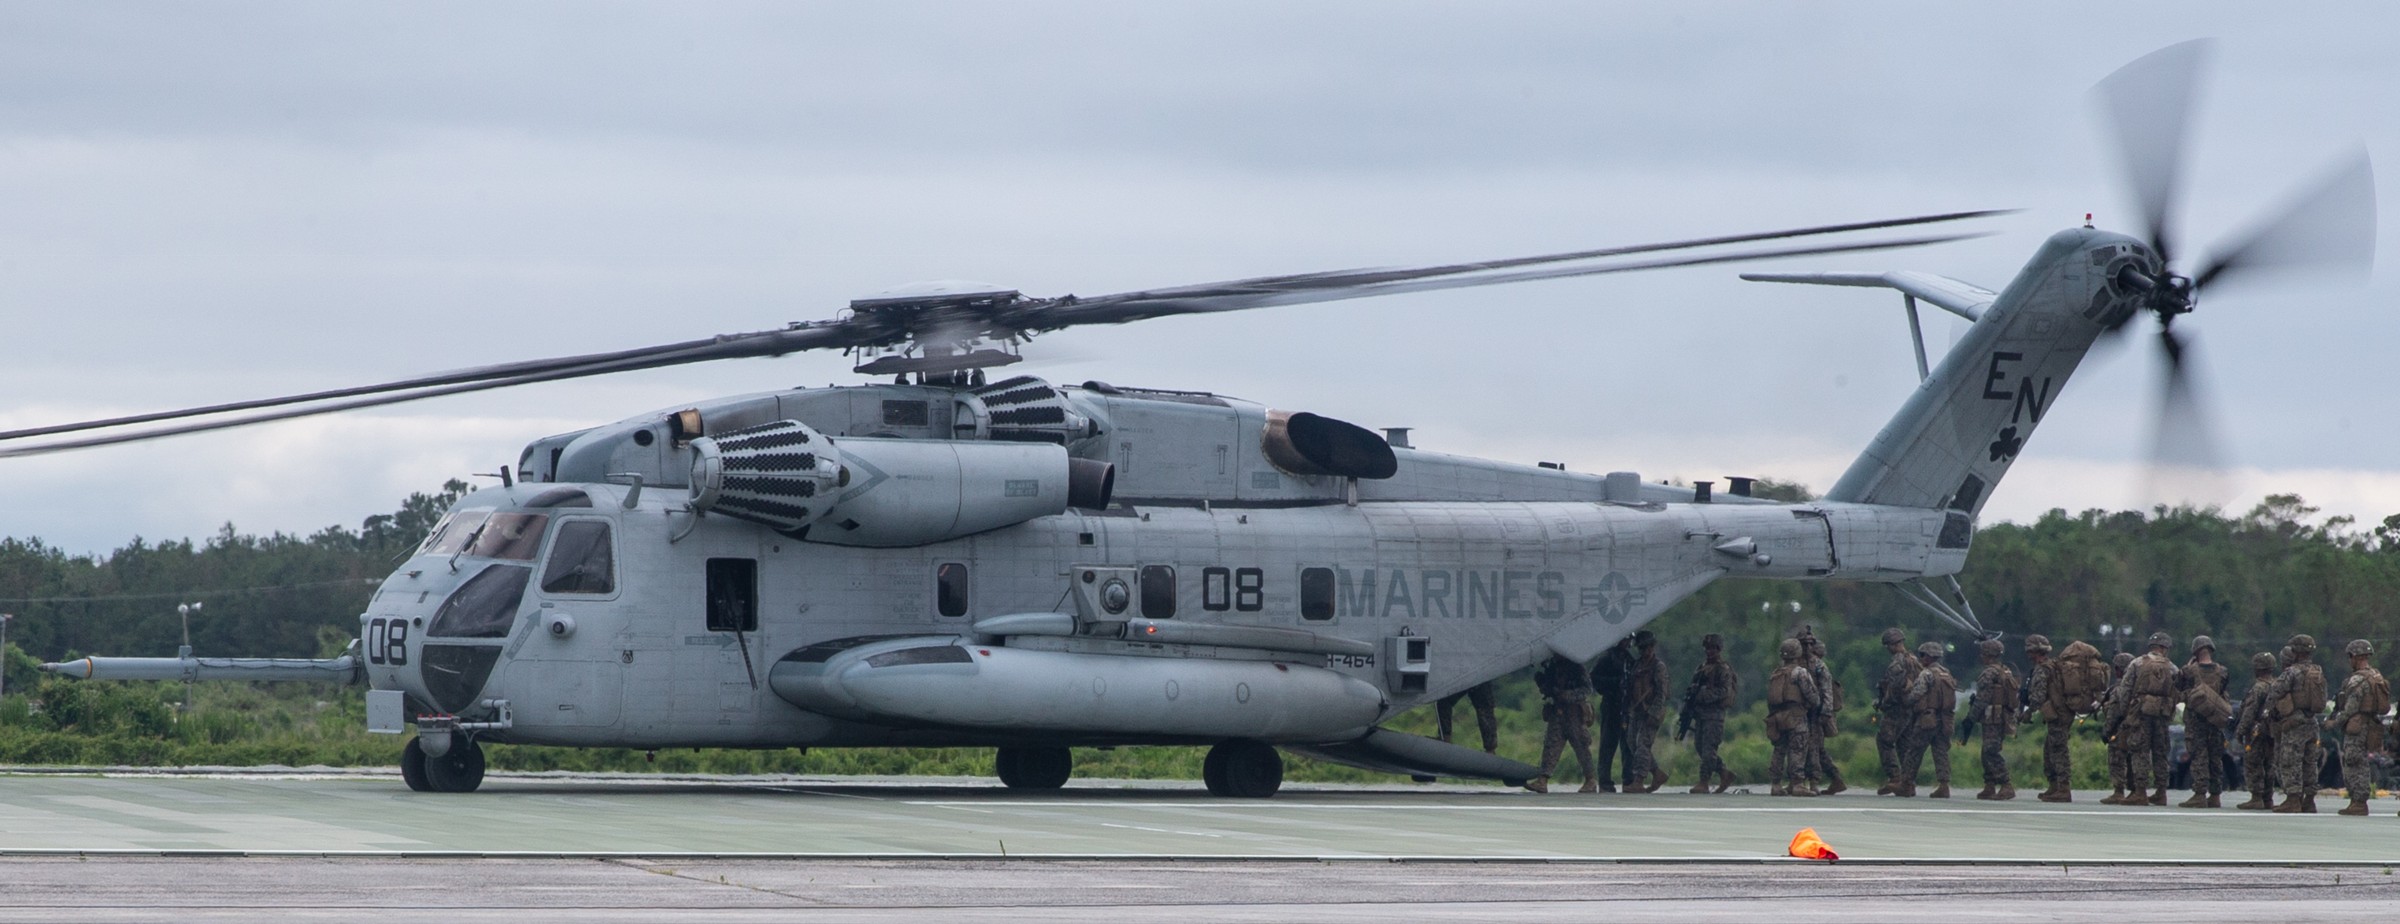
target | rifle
[{"x": 1966, "y": 727}]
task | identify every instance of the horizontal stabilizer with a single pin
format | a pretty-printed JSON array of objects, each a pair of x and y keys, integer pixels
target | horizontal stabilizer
[
  {"x": 1964, "y": 299},
  {"x": 1385, "y": 751}
]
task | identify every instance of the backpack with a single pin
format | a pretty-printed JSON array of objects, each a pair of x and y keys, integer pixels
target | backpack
[
  {"x": 2207, "y": 705},
  {"x": 2082, "y": 678}
]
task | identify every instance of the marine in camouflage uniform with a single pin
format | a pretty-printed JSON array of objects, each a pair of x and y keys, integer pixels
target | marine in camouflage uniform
[
  {"x": 2256, "y": 734},
  {"x": 2152, "y": 681},
  {"x": 1714, "y": 687},
  {"x": 1487, "y": 719},
  {"x": 2364, "y": 697},
  {"x": 1567, "y": 708},
  {"x": 1824, "y": 716},
  {"x": 1932, "y": 697},
  {"x": 2297, "y": 707},
  {"x": 1790, "y": 690},
  {"x": 1609, "y": 677},
  {"x": 1895, "y": 715},
  {"x": 2204, "y": 738},
  {"x": 1995, "y": 710},
  {"x": 1645, "y": 711},
  {"x": 2113, "y": 708},
  {"x": 2041, "y": 701}
]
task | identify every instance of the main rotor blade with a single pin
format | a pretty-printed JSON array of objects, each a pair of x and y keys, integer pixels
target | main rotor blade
[
  {"x": 1358, "y": 277},
  {"x": 1153, "y": 305},
  {"x": 2149, "y": 105},
  {"x": 2329, "y": 225},
  {"x": 764, "y": 343},
  {"x": 2186, "y": 463}
]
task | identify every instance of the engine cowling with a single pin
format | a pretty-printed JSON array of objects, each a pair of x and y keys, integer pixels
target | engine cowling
[{"x": 885, "y": 493}]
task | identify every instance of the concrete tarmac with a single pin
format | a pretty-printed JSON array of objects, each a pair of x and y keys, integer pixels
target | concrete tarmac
[{"x": 536, "y": 848}]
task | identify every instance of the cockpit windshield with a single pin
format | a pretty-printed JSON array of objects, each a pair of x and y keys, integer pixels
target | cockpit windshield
[
  {"x": 482, "y": 533},
  {"x": 452, "y": 533}
]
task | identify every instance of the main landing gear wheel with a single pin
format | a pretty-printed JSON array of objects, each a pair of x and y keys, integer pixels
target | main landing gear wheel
[
  {"x": 1243, "y": 770},
  {"x": 1034, "y": 768},
  {"x": 460, "y": 770}
]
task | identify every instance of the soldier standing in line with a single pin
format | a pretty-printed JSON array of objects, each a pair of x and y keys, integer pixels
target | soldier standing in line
[
  {"x": 1567, "y": 709},
  {"x": 1933, "y": 699},
  {"x": 2206, "y": 712},
  {"x": 1790, "y": 690},
  {"x": 2113, "y": 708},
  {"x": 2365, "y": 696},
  {"x": 1824, "y": 718},
  {"x": 2297, "y": 707},
  {"x": 1995, "y": 708},
  {"x": 2040, "y": 700},
  {"x": 2152, "y": 677},
  {"x": 1714, "y": 687},
  {"x": 1895, "y": 715},
  {"x": 1645, "y": 711},
  {"x": 1487, "y": 720},
  {"x": 2256, "y": 735},
  {"x": 1609, "y": 677}
]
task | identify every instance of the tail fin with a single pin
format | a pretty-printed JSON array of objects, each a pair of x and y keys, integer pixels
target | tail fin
[{"x": 1958, "y": 434}]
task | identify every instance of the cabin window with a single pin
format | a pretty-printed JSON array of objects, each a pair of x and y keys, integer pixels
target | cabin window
[
  {"x": 733, "y": 595},
  {"x": 582, "y": 560},
  {"x": 950, "y": 589},
  {"x": 1316, "y": 593},
  {"x": 1158, "y": 591},
  {"x": 451, "y": 534}
]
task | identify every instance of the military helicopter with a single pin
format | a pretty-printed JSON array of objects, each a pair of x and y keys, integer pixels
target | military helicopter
[{"x": 952, "y": 558}]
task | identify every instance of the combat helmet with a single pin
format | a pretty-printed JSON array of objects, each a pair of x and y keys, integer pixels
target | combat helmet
[
  {"x": 1991, "y": 648},
  {"x": 2123, "y": 660},
  {"x": 2359, "y": 648},
  {"x": 2202, "y": 641},
  {"x": 1645, "y": 640},
  {"x": 1930, "y": 650},
  {"x": 2037, "y": 644},
  {"x": 1893, "y": 636},
  {"x": 1713, "y": 642},
  {"x": 2161, "y": 640},
  {"x": 2263, "y": 663},
  {"x": 2303, "y": 645},
  {"x": 1789, "y": 651}
]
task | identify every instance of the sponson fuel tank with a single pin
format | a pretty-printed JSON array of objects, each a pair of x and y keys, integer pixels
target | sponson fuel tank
[{"x": 951, "y": 681}]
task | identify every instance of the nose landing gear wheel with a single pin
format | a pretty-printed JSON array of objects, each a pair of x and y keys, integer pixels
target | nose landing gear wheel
[
  {"x": 460, "y": 770},
  {"x": 1034, "y": 768},
  {"x": 1243, "y": 770}
]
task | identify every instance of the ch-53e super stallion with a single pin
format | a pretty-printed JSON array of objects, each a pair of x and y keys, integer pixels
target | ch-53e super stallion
[{"x": 958, "y": 559}]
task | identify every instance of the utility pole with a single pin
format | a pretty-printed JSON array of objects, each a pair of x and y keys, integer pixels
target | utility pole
[
  {"x": 184, "y": 611},
  {"x": 4, "y": 618}
]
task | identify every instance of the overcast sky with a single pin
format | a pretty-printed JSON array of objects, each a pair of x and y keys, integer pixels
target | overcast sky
[{"x": 222, "y": 201}]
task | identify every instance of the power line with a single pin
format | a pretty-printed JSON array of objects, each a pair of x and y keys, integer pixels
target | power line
[{"x": 194, "y": 594}]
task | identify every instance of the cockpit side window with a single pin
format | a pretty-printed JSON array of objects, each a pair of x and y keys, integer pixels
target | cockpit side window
[
  {"x": 582, "y": 559},
  {"x": 452, "y": 533},
  {"x": 510, "y": 536}
]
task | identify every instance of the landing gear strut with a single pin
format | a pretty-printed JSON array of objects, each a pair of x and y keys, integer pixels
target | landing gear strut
[
  {"x": 1034, "y": 768},
  {"x": 1243, "y": 770},
  {"x": 459, "y": 770}
]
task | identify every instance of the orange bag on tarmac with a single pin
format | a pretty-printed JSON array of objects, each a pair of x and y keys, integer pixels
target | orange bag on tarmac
[{"x": 1808, "y": 846}]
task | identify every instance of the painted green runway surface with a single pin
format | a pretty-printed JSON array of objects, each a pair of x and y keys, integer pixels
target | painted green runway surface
[{"x": 335, "y": 814}]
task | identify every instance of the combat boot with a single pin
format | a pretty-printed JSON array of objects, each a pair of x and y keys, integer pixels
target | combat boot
[
  {"x": 1658, "y": 778},
  {"x": 1724, "y": 780},
  {"x": 1780, "y": 788},
  {"x": 2134, "y": 796},
  {"x": 1988, "y": 793},
  {"x": 1888, "y": 789},
  {"x": 2308, "y": 803},
  {"x": 2356, "y": 807},
  {"x": 1538, "y": 784},
  {"x": 2214, "y": 801},
  {"x": 2114, "y": 798},
  {"x": 2057, "y": 794},
  {"x": 2292, "y": 805},
  {"x": 2006, "y": 793},
  {"x": 1589, "y": 785},
  {"x": 1802, "y": 788},
  {"x": 2198, "y": 800},
  {"x": 2158, "y": 797},
  {"x": 1606, "y": 786},
  {"x": 1906, "y": 790},
  {"x": 2259, "y": 801},
  {"x": 1837, "y": 786},
  {"x": 1941, "y": 792},
  {"x": 1700, "y": 788}
]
